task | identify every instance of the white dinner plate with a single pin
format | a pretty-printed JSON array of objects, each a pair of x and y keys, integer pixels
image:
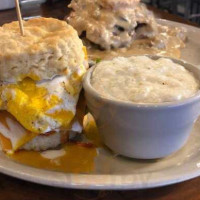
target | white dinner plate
[{"x": 115, "y": 172}]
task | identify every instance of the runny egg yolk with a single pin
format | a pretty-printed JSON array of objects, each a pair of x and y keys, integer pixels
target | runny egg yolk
[
  {"x": 63, "y": 116},
  {"x": 29, "y": 103},
  {"x": 76, "y": 159}
]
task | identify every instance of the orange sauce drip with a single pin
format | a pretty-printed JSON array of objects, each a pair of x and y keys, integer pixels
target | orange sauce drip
[
  {"x": 77, "y": 159},
  {"x": 5, "y": 143}
]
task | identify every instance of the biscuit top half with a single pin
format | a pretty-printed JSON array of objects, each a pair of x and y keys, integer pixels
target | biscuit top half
[{"x": 48, "y": 48}]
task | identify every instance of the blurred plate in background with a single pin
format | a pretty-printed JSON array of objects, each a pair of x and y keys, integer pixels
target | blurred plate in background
[{"x": 7, "y": 4}]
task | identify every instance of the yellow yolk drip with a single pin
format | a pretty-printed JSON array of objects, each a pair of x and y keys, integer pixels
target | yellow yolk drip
[
  {"x": 77, "y": 159},
  {"x": 90, "y": 130},
  {"x": 28, "y": 102},
  {"x": 63, "y": 116}
]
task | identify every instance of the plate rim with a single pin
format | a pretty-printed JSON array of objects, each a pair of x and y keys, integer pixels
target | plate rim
[
  {"x": 97, "y": 181},
  {"x": 94, "y": 182}
]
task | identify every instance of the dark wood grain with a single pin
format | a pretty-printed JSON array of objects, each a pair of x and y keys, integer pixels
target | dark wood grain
[{"x": 14, "y": 189}]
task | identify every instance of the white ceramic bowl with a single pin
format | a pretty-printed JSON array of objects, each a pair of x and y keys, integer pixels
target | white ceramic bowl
[{"x": 144, "y": 131}]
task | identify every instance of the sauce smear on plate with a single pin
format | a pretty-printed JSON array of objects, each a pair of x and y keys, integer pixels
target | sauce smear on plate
[{"x": 72, "y": 159}]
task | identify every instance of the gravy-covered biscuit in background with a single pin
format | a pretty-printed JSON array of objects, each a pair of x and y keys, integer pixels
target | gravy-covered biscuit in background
[{"x": 112, "y": 28}]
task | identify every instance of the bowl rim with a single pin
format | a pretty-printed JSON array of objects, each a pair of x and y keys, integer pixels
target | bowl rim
[{"x": 92, "y": 92}]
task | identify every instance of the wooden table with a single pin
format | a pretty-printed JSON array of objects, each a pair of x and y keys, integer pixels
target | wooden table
[{"x": 14, "y": 189}]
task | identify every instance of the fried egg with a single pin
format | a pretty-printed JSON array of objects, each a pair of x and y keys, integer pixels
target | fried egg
[
  {"x": 38, "y": 107},
  {"x": 43, "y": 106}
]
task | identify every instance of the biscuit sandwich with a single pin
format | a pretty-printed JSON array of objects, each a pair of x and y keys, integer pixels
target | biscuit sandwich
[{"x": 40, "y": 83}]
